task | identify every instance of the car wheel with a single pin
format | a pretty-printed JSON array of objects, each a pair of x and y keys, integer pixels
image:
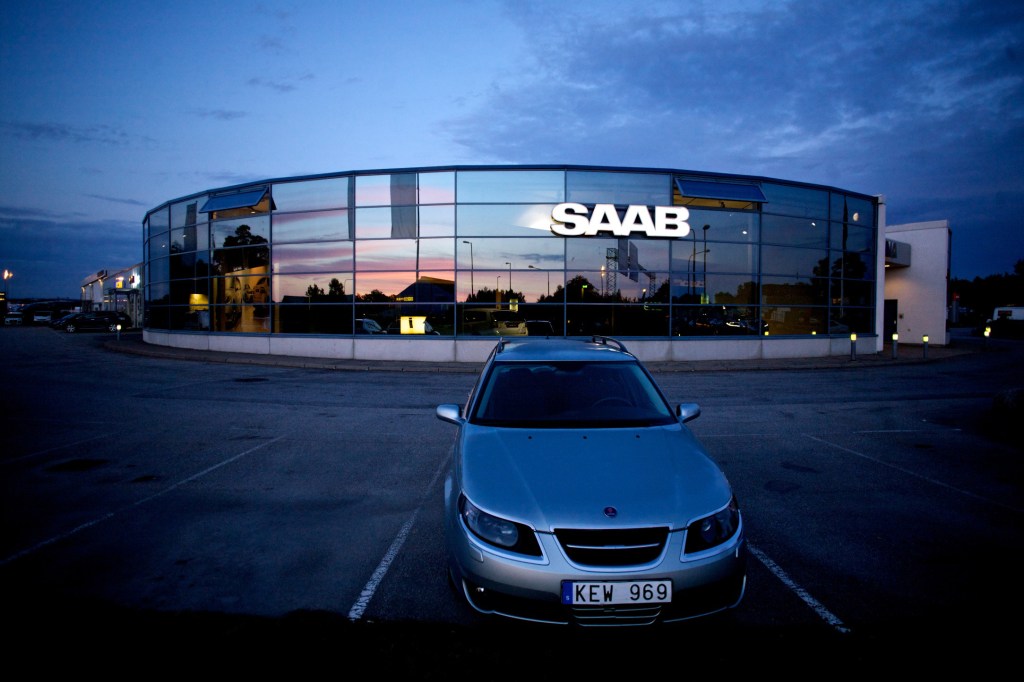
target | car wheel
[
  {"x": 70, "y": 329},
  {"x": 111, "y": 327}
]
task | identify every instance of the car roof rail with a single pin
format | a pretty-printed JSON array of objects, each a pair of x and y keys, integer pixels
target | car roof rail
[{"x": 607, "y": 340}]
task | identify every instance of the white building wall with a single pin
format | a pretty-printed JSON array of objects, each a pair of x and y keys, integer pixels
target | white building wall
[{"x": 921, "y": 289}]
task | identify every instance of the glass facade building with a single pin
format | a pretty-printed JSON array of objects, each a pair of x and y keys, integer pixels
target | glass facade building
[{"x": 463, "y": 251}]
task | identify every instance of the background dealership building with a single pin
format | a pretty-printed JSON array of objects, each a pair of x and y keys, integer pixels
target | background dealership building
[{"x": 681, "y": 265}]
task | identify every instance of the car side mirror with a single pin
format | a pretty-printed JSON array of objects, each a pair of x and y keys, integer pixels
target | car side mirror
[
  {"x": 450, "y": 413},
  {"x": 687, "y": 411}
]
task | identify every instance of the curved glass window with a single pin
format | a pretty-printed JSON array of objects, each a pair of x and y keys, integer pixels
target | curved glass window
[
  {"x": 328, "y": 287},
  {"x": 158, "y": 222},
  {"x": 437, "y": 188},
  {"x": 437, "y": 221},
  {"x": 505, "y": 221},
  {"x": 644, "y": 189},
  {"x": 314, "y": 257},
  {"x": 794, "y": 231},
  {"x": 398, "y": 189},
  {"x": 853, "y": 211},
  {"x": 727, "y": 226},
  {"x": 782, "y": 260},
  {"x": 241, "y": 231},
  {"x": 510, "y": 186},
  {"x": 715, "y": 257},
  {"x": 794, "y": 291},
  {"x": 311, "y": 226},
  {"x": 311, "y": 195},
  {"x": 796, "y": 201},
  {"x": 852, "y": 238},
  {"x": 321, "y": 255}
]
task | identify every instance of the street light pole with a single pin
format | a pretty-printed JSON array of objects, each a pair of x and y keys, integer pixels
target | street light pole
[
  {"x": 534, "y": 267},
  {"x": 472, "y": 286},
  {"x": 706, "y": 227},
  {"x": 509, "y": 276}
]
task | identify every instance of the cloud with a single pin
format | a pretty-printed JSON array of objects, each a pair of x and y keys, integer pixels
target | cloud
[
  {"x": 279, "y": 85},
  {"x": 61, "y": 132},
  {"x": 50, "y": 254},
  {"x": 220, "y": 114}
]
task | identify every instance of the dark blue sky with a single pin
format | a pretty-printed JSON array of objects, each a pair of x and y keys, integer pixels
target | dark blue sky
[{"x": 110, "y": 109}]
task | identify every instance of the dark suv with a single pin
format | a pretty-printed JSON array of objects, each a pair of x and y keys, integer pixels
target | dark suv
[{"x": 107, "y": 320}]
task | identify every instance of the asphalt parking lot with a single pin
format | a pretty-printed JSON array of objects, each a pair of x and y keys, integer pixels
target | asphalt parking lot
[{"x": 253, "y": 511}]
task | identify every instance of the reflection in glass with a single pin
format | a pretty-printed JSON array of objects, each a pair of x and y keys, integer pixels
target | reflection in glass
[
  {"x": 523, "y": 186},
  {"x": 398, "y": 189},
  {"x": 381, "y": 287},
  {"x": 492, "y": 254},
  {"x": 184, "y": 213},
  {"x": 313, "y": 288},
  {"x": 437, "y": 221},
  {"x": 854, "y": 211},
  {"x": 241, "y": 231},
  {"x": 782, "y": 260},
  {"x": 311, "y": 226},
  {"x": 719, "y": 289},
  {"x": 502, "y": 220},
  {"x": 311, "y": 195},
  {"x": 852, "y": 238},
  {"x": 717, "y": 320},
  {"x": 642, "y": 189},
  {"x": 795, "y": 201},
  {"x": 158, "y": 270},
  {"x": 158, "y": 222},
  {"x": 321, "y": 257},
  {"x": 406, "y": 254},
  {"x": 794, "y": 291},
  {"x": 159, "y": 246},
  {"x": 794, "y": 320},
  {"x": 226, "y": 261},
  {"x": 794, "y": 231},
  {"x": 723, "y": 226},
  {"x": 437, "y": 188}
]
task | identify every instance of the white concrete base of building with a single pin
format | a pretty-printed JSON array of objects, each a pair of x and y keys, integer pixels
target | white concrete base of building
[{"x": 476, "y": 350}]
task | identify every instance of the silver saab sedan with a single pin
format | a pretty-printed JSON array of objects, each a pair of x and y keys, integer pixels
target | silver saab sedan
[{"x": 577, "y": 494}]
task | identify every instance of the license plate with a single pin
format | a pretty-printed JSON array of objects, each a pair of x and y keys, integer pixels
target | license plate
[{"x": 632, "y": 592}]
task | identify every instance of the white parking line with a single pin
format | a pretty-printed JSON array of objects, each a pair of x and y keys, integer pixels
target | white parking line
[
  {"x": 110, "y": 515},
  {"x": 359, "y": 607},
  {"x": 908, "y": 472},
  {"x": 800, "y": 592}
]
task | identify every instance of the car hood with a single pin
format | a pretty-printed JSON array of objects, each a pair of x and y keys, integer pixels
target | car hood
[{"x": 552, "y": 478}]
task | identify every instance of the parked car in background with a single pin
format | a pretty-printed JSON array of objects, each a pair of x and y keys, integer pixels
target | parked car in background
[
  {"x": 366, "y": 325},
  {"x": 58, "y": 322},
  {"x": 576, "y": 493},
  {"x": 13, "y": 318},
  {"x": 539, "y": 328},
  {"x": 97, "y": 320},
  {"x": 493, "y": 322}
]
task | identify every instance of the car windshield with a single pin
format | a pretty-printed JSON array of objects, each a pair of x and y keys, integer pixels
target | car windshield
[{"x": 570, "y": 395}]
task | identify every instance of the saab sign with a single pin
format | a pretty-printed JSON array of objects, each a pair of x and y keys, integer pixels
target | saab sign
[{"x": 576, "y": 220}]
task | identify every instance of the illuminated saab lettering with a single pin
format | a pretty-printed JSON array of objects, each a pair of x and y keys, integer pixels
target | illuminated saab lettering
[{"x": 572, "y": 220}]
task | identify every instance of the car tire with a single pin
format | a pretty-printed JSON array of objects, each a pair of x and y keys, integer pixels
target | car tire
[
  {"x": 112, "y": 327},
  {"x": 70, "y": 329}
]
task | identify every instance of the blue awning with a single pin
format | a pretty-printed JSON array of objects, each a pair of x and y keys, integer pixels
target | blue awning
[
  {"x": 226, "y": 202},
  {"x": 726, "y": 191}
]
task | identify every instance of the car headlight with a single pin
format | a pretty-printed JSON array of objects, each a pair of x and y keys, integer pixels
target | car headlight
[
  {"x": 496, "y": 531},
  {"x": 713, "y": 530}
]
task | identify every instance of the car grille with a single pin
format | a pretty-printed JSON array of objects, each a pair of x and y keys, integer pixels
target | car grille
[{"x": 619, "y": 547}]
